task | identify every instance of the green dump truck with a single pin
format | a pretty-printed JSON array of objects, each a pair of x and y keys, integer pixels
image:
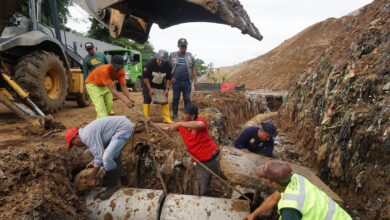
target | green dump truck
[{"x": 133, "y": 66}]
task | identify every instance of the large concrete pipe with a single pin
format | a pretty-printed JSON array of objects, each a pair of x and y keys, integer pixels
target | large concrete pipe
[
  {"x": 147, "y": 204},
  {"x": 187, "y": 207},
  {"x": 126, "y": 203}
]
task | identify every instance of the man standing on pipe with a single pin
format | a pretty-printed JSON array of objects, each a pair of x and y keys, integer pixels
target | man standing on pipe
[
  {"x": 194, "y": 132},
  {"x": 105, "y": 138}
]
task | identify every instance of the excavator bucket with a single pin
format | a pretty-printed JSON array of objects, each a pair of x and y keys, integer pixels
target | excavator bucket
[{"x": 134, "y": 18}]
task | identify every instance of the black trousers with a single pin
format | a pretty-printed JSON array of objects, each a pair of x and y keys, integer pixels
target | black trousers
[{"x": 204, "y": 176}]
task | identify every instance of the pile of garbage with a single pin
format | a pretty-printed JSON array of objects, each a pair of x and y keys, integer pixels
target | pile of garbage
[
  {"x": 339, "y": 111},
  {"x": 225, "y": 112},
  {"x": 37, "y": 184}
]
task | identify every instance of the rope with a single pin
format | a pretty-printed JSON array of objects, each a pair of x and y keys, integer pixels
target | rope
[
  {"x": 153, "y": 157},
  {"x": 177, "y": 145}
]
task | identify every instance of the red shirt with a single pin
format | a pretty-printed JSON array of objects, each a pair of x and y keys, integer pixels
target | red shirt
[{"x": 198, "y": 142}]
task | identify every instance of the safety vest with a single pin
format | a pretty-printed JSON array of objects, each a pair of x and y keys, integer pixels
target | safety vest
[
  {"x": 174, "y": 59},
  {"x": 311, "y": 202}
]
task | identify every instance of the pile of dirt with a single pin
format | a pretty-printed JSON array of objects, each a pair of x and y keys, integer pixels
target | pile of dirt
[
  {"x": 280, "y": 68},
  {"x": 36, "y": 184},
  {"x": 225, "y": 112},
  {"x": 339, "y": 113}
]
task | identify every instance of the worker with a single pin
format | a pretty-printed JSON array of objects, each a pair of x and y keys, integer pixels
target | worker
[
  {"x": 296, "y": 197},
  {"x": 93, "y": 59},
  {"x": 105, "y": 138},
  {"x": 258, "y": 139},
  {"x": 184, "y": 73},
  {"x": 100, "y": 86},
  {"x": 157, "y": 75},
  {"x": 194, "y": 132}
]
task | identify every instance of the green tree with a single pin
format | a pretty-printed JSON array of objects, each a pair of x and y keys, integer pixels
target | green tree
[
  {"x": 62, "y": 7},
  {"x": 99, "y": 32},
  {"x": 201, "y": 67}
]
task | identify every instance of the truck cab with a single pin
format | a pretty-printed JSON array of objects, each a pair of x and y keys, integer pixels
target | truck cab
[{"x": 133, "y": 66}]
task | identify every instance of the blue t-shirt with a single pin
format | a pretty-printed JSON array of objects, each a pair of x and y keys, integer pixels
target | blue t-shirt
[
  {"x": 181, "y": 71},
  {"x": 250, "y": 140}
]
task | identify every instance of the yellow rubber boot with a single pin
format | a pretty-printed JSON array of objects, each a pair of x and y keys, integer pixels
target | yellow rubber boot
[
  {"x": 165, "y": 113},
  {"x": 146, "y": 109}
]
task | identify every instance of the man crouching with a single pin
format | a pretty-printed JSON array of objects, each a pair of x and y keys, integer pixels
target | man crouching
[{"x": 105, "y": 138}]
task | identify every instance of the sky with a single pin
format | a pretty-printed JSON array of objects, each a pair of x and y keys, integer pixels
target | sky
[{"x": 277, "y": 21}]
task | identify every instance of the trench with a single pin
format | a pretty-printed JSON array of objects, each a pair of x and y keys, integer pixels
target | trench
[
  {"x": 43, "y": 182},
  {"x": 226, "y": 114}
]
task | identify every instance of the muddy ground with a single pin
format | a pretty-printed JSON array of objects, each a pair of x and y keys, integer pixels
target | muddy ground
[{"x": 37, "y": 172}]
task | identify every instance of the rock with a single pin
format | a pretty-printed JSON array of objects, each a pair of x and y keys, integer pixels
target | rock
[
  {"x": 22, "y": 156},
  {"x": 255, "y": 121},
  {"x": 80, "y": 180},
  {"x": 386, "y": 87}
]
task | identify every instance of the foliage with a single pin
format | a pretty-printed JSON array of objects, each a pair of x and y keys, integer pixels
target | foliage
[
  {"x": 62, "y": 7},
  {"x": 99, "y": 32},
  {"x": 201, "y": 67}
]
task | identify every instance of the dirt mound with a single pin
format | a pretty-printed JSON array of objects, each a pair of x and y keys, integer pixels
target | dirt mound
[
  {"x": 339, "y": 113},
  {"x": 36, "y": 184},
  {"x": 280, "y": 68},
  {"x": 225, "y": 112}
]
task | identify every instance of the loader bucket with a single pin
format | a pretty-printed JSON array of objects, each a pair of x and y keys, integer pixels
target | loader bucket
[{"x": 134, "y": 18}]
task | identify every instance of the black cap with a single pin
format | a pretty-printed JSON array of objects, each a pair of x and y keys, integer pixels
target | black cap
[
  {"x": 89, "y": 45},
  {"x": 191, "y": 109},
  {"x": 117, "y": 61},
  {"x": 182, "y": 41},
  {"x": 163, "y": 55},
  {"x": 270, "y": 128}
]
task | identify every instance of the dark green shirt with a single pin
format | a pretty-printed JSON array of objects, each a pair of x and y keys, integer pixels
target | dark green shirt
[{"x": 91, "y": 62}]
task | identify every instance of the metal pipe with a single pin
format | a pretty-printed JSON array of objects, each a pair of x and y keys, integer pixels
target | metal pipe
[
  {"x": 33, "y": 16},
  {"x": 54, "y": 16},
  {"x": 39, "y": 11}
]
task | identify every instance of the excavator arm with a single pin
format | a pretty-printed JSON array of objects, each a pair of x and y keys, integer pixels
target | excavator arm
[{"x": 134, "y": 18}]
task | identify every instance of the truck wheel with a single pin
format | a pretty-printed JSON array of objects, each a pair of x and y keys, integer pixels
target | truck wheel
[
  {"x": 43, "y": 75},
  {"x": 137, "y": 87},
  {"x": 83, "y": 99}
]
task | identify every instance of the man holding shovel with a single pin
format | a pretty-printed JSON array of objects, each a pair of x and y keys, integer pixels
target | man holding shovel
[
  {"x": 157, "y": 75},
  {"x": 105, "y": 138}
]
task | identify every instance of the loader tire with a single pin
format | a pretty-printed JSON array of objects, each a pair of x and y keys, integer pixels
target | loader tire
[
  {"x": 83, "y": 100},
  {"x": 137, "y": 87},
  {"x": 43, "y": 75}
]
